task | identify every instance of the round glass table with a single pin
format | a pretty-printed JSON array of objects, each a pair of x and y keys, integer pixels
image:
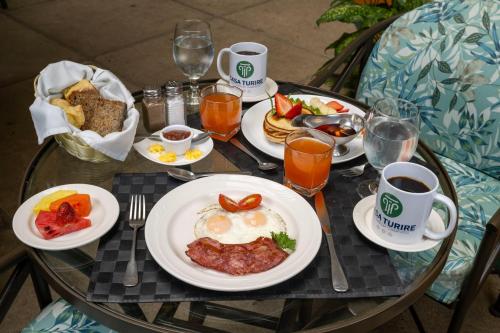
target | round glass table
[{"x": 67, "y": 272}]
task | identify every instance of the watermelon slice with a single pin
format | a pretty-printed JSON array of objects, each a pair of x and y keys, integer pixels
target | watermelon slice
[{"x": 62, "y": 222}]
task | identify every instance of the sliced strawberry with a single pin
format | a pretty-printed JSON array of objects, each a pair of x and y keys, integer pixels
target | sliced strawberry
[
  {"x": 49, "y": 226},
  {"x": 65, "y": 213},
  {"x": 335, "y": 105},
  {"x": 282, "y": 104},
  {"x": 294, "y": 111}
]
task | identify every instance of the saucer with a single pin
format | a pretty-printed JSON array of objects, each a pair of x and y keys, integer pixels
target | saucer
[
  {"x": 363, "y": 214},
  {"x": 271, "y": 89}
]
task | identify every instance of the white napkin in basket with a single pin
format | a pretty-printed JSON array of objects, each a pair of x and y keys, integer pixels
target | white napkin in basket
[{"x": 49, "y": 119}]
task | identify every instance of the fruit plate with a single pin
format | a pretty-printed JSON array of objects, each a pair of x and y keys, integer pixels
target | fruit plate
[
  {"x": 170, "y": 228},
  {"x": 251, "y": 126},
  {"x": 103, "y": 216}
]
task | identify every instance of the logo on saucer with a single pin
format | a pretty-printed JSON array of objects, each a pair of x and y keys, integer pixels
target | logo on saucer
[
  {"x": 244, "y": 69},
  {"x": 390, "y": 205}
]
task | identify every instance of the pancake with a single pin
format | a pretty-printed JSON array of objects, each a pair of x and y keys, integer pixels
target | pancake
[{"x": 276, "y": 129}]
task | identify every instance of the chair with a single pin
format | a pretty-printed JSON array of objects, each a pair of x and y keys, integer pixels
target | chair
[
  {"x": 432, "y": 57},
  {"x": 58, "y": 313}
]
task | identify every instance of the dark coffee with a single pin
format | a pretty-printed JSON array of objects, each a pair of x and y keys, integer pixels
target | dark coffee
[
  {"x": 408, "y": 184},
  {"x": 248, "y": 53}
]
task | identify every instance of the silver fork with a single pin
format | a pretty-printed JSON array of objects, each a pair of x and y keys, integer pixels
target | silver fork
[
  {"x": 137, "y": 219},
  {"x": 355, "y": 171}
]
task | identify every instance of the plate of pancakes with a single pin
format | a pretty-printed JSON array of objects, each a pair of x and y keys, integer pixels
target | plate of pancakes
[{"x": 267, "y": 132}]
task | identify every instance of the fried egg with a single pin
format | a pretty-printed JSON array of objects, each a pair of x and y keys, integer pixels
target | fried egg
[{"x": 239, "y": 227}]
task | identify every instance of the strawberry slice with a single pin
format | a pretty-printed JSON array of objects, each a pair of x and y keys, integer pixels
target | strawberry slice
[
  {"x": 335, "y": 105},
  {"x": 282, "y": 104},
  {"x": 294, "y": 111}
]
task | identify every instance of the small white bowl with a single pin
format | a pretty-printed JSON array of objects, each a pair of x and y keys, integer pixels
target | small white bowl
[{"x": 179, "y": 147}]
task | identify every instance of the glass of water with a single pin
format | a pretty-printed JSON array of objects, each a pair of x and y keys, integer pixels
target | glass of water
[
  {"x": 391, "y": 135},
  {"x": 193, "y": 53}
]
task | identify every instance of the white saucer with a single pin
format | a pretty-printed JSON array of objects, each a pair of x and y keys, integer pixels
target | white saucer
[
  {"x": 271, "y": 89},
  {"x": 205, "y": 146},
  {"x": 362, "y": 216}
]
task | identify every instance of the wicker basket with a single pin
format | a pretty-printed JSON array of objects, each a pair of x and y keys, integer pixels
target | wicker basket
[{"x": 76, "y": 146}]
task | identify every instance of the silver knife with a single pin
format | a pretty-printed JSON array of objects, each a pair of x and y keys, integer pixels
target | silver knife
[{"x": 339, "y": 280}]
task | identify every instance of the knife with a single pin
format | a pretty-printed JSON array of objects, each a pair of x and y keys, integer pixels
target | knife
[{"x": 339, "y": 280}]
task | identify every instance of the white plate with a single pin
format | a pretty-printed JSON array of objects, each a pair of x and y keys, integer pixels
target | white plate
[
  {"x": 170, "y": 228},
  {"x": 103, "y": 216},
  {"x": 205, "y": 147},
  {"x": 251, "y": 126},
  {"x": 271, "y": 89},
  {"x": 363, "y": 214}
]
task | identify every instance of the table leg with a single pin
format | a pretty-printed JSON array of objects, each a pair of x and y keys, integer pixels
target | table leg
[{"x": 42, "y": 290}]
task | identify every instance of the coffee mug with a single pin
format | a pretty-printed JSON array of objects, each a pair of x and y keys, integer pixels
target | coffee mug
[
  {"x": 247, "y": 67},
  {"x": 404, "y": 203}
]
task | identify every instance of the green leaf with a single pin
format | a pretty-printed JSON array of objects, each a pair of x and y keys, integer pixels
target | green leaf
[
  {"x": 473, "y": 38},
  {"x": 465, "y": 87},
  {"x": 486, "y": 21},
  {"x": 283, "y": 240},
  {"x": 459, "y": 18},
  {"x": 362, "y": 16},
  {"x": 444, "y": 67},
  {"x": 340, "y": 44},
  {"x": 442, "y": 45},
  {"x": 435, "y": 97},
  {"x": 424, "y": 71},
  {"x": 441, "y": 29},
  {"x": 463, "y": 120},
  {"x": 451, "y": 80},
  {"x": 453, "y": 102},
  {"x": 458, "y": 36}
]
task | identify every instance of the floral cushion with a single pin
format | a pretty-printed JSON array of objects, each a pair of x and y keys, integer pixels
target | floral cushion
[
  {"x": 60, "y": 316},
  {"x": 478, "y": 199},
  {"x": 445, "y": 57}
]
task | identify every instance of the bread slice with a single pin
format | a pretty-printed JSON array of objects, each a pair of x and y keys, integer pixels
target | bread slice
[{"x": 107, "y": 117}]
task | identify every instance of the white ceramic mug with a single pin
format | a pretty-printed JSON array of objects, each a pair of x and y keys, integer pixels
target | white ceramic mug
[
  {"x": 247, "y": 67},
  {"x": 400, "y": 216}
]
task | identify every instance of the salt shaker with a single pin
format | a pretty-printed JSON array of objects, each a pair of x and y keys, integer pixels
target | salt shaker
[
  {"x": 153, "y": 108},
  {"x": 176, "y": 112}
]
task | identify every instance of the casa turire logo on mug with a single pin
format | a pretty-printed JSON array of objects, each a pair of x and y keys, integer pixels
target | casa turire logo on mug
[
  {"x": 247, "y": 67},
  {"x": 391, "y": 206},
  {"x": 244, "y": 69},
  {"x": 404, "y": 203}
]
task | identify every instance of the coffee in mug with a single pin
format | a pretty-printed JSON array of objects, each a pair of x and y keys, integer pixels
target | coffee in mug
[
  {"x": 404, "y": 203},
  {"x": 247, "y": 67}
]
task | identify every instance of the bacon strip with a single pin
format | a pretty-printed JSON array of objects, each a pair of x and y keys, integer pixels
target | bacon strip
[{"x": 237, "y": 259}]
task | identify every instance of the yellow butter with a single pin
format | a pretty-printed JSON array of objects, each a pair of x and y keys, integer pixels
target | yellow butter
[
  {"x": 44, "y": 203},
  {"x": 193, "y": 154},
  {"x": 156, "y": 148},
  {"x": 168, "y": 157}
]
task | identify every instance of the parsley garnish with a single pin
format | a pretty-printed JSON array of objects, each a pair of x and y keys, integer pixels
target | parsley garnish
[{"x": 283, "y": 240}]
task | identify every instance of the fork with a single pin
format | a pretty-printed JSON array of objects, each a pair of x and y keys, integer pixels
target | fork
[
  {"x": 137, "y": 219},
  {"x": 355, "y": 171}
]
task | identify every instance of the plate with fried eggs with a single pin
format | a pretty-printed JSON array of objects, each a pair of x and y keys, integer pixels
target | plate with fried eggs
[{"x": 191, "y": 211}]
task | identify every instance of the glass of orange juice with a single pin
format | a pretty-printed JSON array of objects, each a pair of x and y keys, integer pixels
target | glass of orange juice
[
  {"x": 308, "y": 156},
  {"x": 220, "y": 110}
]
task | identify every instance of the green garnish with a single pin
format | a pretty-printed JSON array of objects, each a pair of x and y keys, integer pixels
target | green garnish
[
  {"x": 273, "y": 110},
  {"x": 306, "y": 106},
  {"x": 283, "y": 240}
]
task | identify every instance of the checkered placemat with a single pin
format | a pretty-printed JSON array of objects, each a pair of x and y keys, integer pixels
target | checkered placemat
[{"x": 367, "y": 266}]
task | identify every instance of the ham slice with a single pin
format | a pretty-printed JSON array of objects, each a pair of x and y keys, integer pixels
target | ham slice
[{"x": 236, "y": 259}]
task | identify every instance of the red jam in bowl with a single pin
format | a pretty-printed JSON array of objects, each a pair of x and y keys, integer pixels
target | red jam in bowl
[{"x": 176, "y": 135}]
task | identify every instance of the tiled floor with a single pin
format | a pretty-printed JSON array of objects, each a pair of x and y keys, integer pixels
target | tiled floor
[{"x": 133, "y": 39}]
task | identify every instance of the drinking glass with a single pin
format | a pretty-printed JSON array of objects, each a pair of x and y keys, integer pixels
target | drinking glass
[
  {"x": 308, "y": 157},
  {"x": 391, "y": 135},
  {"x": 220, "y": 110},
  {"x": 193, "y": 53}
]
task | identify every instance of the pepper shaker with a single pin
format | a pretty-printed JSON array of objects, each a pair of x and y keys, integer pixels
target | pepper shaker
[
  {"x": 176, "y": 112},
  {"x": 153, "y": 108}
]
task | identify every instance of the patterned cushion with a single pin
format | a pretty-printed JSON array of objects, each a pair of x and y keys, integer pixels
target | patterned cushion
[
  {"x": 478, "y": 199},
  {"x": 60, "y": 316},
  {"x": 445, "y": 57}
]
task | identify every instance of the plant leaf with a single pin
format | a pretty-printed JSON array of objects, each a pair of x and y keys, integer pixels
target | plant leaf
[
  {"x": 453, "y": 102},
  {"x": 424, "y": 71},
  {"x": 486, "y": 21},
  {"x": 458, "y": 36},
  {"x": 435, "y": 97},
  {"x": 361, "y": 15},
  {"x": 459, "y": 18},
  {"x": 450, "y": 80},
  {"x": 441, "y": 29},
  {"x": 465, "y": 87}
]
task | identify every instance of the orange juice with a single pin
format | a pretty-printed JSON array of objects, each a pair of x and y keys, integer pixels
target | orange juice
[
  {"x": 221, "y": 113},
  {"x": 307, "y": 164}
]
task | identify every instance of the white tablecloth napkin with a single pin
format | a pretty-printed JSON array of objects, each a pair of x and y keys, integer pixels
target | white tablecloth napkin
[{"x": 50, "y": 120}]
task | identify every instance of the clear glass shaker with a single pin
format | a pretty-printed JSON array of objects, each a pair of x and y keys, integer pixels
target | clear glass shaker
[
  {"x": 153, "y": 108},
  {"x": 175, "y": 108}
]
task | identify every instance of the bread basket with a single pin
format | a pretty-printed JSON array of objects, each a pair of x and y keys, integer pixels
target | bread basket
[{"x": 74, "y": 144}]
